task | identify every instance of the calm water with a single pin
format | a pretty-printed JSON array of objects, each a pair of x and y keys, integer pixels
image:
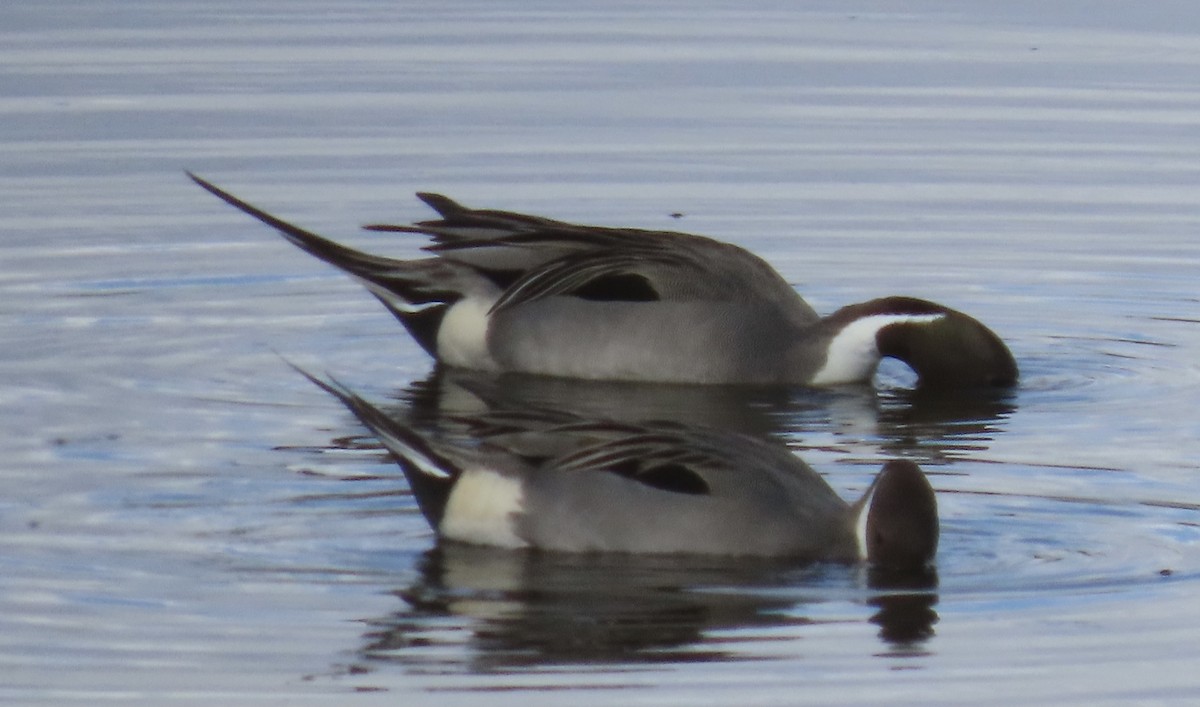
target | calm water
[{"x": 184, "y": 520}]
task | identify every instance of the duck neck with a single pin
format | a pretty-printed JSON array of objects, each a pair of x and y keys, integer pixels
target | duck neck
[
  {"x": 946, "y": 348},
  {"x": 853, "y": 350}
]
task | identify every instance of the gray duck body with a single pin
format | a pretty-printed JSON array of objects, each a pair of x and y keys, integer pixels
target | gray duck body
[
  {"x": 513, "y": 292},
  {"x": 546, "y": 481}
]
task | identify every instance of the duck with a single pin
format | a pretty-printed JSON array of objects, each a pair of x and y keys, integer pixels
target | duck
[
  {"x": 541, "y": 480},
  {"x": 510, "y": 292}
]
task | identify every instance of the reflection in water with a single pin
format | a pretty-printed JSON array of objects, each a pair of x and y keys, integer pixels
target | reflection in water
[
  {"x": 930, "y": 427},
  {"x": 937, "y": 426},
  {"x": 485, "y": 609},
  {"x": 526, "y": 609},
  {"x": 906, "y": 600}
]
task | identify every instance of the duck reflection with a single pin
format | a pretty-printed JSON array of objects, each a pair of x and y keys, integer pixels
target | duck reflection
[
  {"x": 520, "y": 608},
  {"x": 929, "y": 426},
  {"x": 512, "y": 610},
  {"x": 905, "y": 601}
]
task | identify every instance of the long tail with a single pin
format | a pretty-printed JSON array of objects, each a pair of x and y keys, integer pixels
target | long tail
[
  {"x": 431, "y": 475},
  {"x": 416, "y": 292}
]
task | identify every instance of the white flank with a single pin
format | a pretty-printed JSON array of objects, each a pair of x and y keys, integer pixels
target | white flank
[
  {"x": 482, "y": 509},
  {"x": 462, "y": 338},
  {"x": 853, "y": 354}
]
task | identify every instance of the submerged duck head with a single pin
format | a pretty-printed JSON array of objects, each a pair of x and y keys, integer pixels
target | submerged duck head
[
  {"x": 897, "y": 519},
  {"x": 945, "y": 348}
]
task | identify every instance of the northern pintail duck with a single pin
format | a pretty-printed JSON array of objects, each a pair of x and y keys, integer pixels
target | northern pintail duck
[
  {"x": 544, "y": 480},
  {"x": 513, "y": 292}
]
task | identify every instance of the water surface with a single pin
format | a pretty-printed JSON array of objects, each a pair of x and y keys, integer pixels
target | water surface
[{"x": 185, "y": 520}]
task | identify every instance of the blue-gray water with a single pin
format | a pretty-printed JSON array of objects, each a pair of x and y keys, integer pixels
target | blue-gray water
[{"x": 184, "y": 520}]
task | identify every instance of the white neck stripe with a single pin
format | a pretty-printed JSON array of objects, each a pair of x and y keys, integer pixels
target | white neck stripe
[
  {"x": 853, "y": 353},
  {"x": 860, "y": 523}
]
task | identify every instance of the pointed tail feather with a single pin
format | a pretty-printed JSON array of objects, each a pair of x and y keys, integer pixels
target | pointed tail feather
[
  {"x": 464, "y": 227},
  {"x": 416, "y": 292},
  {"x": 430, "y": 474},
  {"x": 363, "y": 265},
  {"x": 444, "y": 205}
]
